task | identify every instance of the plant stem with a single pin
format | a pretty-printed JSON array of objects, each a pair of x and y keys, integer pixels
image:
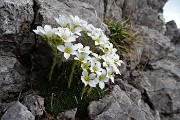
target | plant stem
[
  {"x": 72, "y": 72},
  {"x": 61, "y": 59},
  {"x": 83, "y": 91},
  {"x": 54, "y": 63}
]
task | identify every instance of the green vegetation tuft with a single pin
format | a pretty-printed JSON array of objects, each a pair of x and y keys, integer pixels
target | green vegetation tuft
[
  {"x": 58, "y": 97},
  {"x": 122, "y": 36}
]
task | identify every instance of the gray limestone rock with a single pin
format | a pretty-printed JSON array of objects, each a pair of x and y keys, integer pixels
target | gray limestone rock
[
  {"x": 12, "y": 76},
  {"x": 4, "y": 107},
  {"x": 16, "y": 17},
  {"x": 35, "y": 104},
  {"x": 121, "y": 105},
  {"x": 160, "y": 78},
  {"x": 145, "y": 12},
  {"x": 67, "y": 115},
  {"x": 156, "y": 46},
  {"x": 172, "y": 32},
  {"x": 48, "y": 10},
  {"x": 111, "y": 9},
  {"x": 18, "y": 112}
]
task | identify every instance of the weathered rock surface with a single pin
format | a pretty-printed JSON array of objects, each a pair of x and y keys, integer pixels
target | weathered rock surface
[
  {"x": 35, "y": 104},
  {"x": 160, "y": 77},
  {"x": 121, "y": 105},
  {"x": 46, "y": 15},
  {"x": 145, "y": 12},
  {"x": 16, "y": 39},
  {"x": 172, "y": 32},
  {"x": 67, "y": 115},
  {"x": 107, "y": 8},
  {"x": 18, "y": 112},
  {"x": 16, "y": 18},
  {"x": 12, "y": 76},
  {"x": 142, "y": 12}
]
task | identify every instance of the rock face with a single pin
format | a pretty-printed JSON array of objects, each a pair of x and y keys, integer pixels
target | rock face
[
  {"x": 16, "y": 18},
  {"x": 35, "y": 104},
  {"x": 18, "y": 112},
  {"x": 172, "y": 32},
  {"x": 160, "y": 78},
  {"x": 15, "y": 22},
  {"x": 12, "y": 76},
  {"x": 141, "y": 12},
  {"x": 121, "y": 105},
  {"x": 67, "y": 115},
  {"x": 46, "y": 15}
]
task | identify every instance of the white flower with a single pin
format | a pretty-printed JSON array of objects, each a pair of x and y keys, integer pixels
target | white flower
[
  {"x": 115, "y": 68},
  {"x": 88, "y": 79},
  {"x": 85, "y": 66},
  {"x": 96, "y": 57},
  {"x": 110, "y": 74},
  {"x": 47, "y": 31},
  {"x": 66, "y": 35},
  {"x": 75, "y": 25},
  {"x": 95, "y": 66},
  {"x": 117, "y": 61},
  {"x": 87, "y": 27},
  {"x": 75, "y": 20},
  {"x": 68, "y": 49},
  {"x": 101, "y": 40},
  {"x": 63, "y": 20},
  {"x": 76, "y": 30},
  {"x": 82, "y": 49},
  {"x": 94, "y": 35},
  {"x": 107, "y": 61},
  {"x": 83, "y": 57},
  {"x": 101, "y": 77}
]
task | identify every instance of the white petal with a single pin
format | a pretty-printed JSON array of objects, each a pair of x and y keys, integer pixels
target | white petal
[
  {"x": 41, "y": 29},
  {"x": 92, "y": 76},
  {"x": 96, "y": 81},
  {"x": 66, "y": 55},
  {"x": 92, "y": 83},
  {"x": 36, "y": 31},
  {"x": 85, "y": 83},
  {"x": 101, "y": 85},
  {"x": 61, "y": 48},
  {"x": 106, "y": 79},
  {"x": 112, "y": 79},
  {"x": 85, "y": 73},
  {"x": 47, "y": 28},
  {"x": 73, "y": 52},
  {"x": 70, "y": 39}
]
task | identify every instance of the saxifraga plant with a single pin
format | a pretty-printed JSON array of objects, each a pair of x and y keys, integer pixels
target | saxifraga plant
[{"x": 95, "y": 58}]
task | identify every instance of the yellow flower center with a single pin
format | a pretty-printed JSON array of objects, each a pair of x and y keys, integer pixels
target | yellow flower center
[
  {"x": 116, "y": 61},
  {"x": 86, "y": 78},
  {"x": 64, "y": 37},
  {"x": 100, "y": 78},
  {"x": 107, "y": 62},
  {"x": 86, "y": 66},
  {"x": 67, "y": 50},
  {"x": 81, "y": 58},
  {"x": 94, "y": 68}
]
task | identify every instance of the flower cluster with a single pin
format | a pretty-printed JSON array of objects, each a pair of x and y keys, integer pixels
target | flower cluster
[{"x": 98, "y": 67}]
